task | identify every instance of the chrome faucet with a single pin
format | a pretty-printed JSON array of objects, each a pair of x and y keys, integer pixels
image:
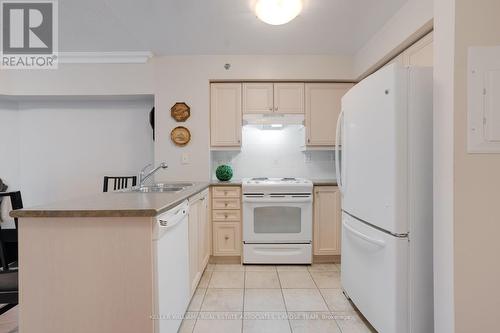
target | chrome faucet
[{"x": 143, "y": 176}]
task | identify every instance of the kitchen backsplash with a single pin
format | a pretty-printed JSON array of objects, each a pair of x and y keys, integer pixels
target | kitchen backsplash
[{"x": 275, "y": 153}]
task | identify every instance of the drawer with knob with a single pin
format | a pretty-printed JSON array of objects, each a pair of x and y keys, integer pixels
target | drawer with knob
[
  {"x": 226, "y": 203},
  {"x": 223, "y": 215},
  {"x": 226, "y": 192}
]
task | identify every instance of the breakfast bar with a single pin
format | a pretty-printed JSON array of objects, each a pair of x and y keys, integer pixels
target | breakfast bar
[{"x": 87, "y": 265}]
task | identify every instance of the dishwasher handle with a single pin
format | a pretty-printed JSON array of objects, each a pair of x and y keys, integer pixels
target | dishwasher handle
[
  {"x": 168, "y": 220},
  {"x": 174, "y": 219}
]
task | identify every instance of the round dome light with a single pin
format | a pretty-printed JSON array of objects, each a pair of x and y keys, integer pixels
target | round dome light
[{"x": 277, "y": 12}]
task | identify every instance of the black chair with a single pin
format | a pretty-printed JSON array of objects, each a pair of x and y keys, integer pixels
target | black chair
[
  {"x": 9, "y": 286},
  {"x": 119, "y": 183}
]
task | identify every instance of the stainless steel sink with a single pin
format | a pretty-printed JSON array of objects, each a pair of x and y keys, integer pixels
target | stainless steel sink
[
  {"x": 160, "y": 187},
  {"x": 147, "y": 189},
  {"x": 183, "y": 185}
]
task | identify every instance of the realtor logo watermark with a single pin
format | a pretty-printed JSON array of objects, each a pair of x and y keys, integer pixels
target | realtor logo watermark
[{"x": 29, "y": 34}]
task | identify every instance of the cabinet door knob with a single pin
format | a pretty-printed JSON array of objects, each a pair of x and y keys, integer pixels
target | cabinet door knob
[
  {"x": 225, "y": 204},
  {"x": 308, "y": 140},
  {"x": 225, "y": 216},
  {"x": 226, "y": 237},
  {"x": 271, "y": 108}
]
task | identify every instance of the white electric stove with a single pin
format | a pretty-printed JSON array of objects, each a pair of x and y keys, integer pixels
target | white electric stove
[{"x": 277, "y": 221}]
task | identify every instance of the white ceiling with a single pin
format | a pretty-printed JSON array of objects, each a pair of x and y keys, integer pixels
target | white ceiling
[{"x": 218, "y": 26}]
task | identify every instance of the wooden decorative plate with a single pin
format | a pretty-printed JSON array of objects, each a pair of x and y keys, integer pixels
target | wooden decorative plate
[
  {"x": 180, "y": 136},
  {"x": 180, "y": 111}
]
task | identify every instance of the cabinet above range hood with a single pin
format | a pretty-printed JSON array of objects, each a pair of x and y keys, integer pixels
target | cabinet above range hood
[{"x": 274, "y": 120}]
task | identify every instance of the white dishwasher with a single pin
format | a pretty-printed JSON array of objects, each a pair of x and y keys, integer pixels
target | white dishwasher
[{"x": 170, "y": 246}]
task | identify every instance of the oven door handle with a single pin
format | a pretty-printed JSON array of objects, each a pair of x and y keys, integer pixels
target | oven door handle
[{"x": 280, "y": 199}]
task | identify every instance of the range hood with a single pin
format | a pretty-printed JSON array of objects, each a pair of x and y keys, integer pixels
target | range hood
[{"x": 278, "y": 120}]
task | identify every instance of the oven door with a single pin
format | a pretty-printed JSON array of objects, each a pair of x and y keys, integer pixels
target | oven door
[{"x": 277, "y": 218}]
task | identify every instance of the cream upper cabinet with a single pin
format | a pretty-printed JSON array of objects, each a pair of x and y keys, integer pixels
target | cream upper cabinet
[
  {"x": 327, "y": 221},
  {"x": 262, "y": 98},
  {"x": 421, "y": 53},
  {"x": 225, "y": 114},
  {"x": 397, "y": 60},
  {"x": 322, "y": 108},
  {"x": 258, "y": 98},
  {"x": 289, "y": 98}
]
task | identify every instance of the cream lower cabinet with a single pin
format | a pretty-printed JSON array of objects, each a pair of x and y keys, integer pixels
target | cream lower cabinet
[
  {"x": 322, "y": 108},
  {"x": 204, "y": 233},
  {"x": 327, "y": 220},
  {"x": 226, "y": 220},
  {"x": 227, "y": 238},
  {"x": 199, "y": 238}
]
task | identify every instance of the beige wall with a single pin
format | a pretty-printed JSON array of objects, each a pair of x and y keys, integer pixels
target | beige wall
[
  {"x": 79, "y": 79},
  {"x": 410, "y": 23},
  {"x": 444, "y": 71},
  {"x": 477, "y": 187},
  {"x": 186, "y": 79},
  {"x": 173, "y": 79}
]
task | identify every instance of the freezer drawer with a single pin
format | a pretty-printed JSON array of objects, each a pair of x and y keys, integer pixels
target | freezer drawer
[{"x": 375, "y": 274}]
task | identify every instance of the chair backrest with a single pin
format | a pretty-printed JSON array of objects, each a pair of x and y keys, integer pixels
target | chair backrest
[
  {"x": 119, "y": 183},
  {"x": 9, "y": 236}
]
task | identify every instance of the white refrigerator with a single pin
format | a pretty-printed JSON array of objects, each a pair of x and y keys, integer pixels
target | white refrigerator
[{"x": 384, "y": 171}]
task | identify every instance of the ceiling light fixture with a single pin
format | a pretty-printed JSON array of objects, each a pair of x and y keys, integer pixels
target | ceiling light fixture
[{"x": 277, "y": 12}]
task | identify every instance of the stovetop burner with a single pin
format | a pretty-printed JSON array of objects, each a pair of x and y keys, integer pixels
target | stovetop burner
[
  {"x": 284, "y": 179},
  {"x": 277, "y": 185}
]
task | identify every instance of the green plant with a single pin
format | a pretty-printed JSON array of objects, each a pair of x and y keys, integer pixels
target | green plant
[{"x": 224, "y": 172}]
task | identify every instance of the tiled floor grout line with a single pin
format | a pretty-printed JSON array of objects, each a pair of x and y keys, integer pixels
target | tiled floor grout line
[
  {"x": 287, "y": 312},
  {"x": 203, "y": 300},
  {"x": 326, "y": 303},
  {"x": 284, "y": 302},
  {"x": 244, "y": 294}
]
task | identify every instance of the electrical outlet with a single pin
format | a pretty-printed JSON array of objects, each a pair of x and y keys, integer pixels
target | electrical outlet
[
  {"x": 185, "y": 158},
  {"x": 307, "y": 158}
]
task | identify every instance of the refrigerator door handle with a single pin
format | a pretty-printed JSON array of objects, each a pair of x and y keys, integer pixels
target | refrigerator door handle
[
  {"x": 337, "y": 152},
  {"x": 378, "y": 242}
]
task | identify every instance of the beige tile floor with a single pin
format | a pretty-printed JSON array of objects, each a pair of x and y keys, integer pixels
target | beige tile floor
[
  {"x": 271, "y": 299},
  {"x": 263, "y": 299}
]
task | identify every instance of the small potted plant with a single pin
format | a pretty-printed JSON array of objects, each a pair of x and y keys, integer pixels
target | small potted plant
[{"x": 224, "y": 173}]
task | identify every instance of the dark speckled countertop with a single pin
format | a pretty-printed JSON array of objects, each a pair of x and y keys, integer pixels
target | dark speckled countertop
[
  {"x": 113, "y": 204},
  {"x": 316, "y": 182},
  {"x": 128, "y": 204}
]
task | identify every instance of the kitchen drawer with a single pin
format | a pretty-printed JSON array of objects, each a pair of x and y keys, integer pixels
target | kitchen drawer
[
  {"x": 223, "y": 215},
  {"x": 226, "y": 192},
  {"x": 226, "y": 203},
  {"x": 227, "y": 239}
]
